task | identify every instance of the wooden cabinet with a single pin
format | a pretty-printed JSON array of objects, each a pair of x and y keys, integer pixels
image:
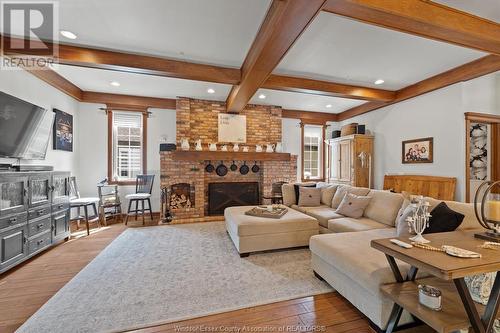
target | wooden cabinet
[
  {"x": 34, "y": 214},
  {"x": 351, "y": 160}
]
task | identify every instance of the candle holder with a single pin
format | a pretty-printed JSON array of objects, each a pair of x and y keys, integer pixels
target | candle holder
[{"x": 420, "y": 220}]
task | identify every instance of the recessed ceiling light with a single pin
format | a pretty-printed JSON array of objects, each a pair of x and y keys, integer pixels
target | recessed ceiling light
[
  {"x": 262, "y": 96},
  {"x": 210, "y": 91},
  {"x": 328, "y": 105},
  {"x": 114, "y": 83},
  {"x": 379, "y": 81},
  {"x": 68, "y": 34}
]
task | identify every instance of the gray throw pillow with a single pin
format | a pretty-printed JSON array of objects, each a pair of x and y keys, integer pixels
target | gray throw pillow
[
  {"x": 402, "y": 228},
  {"x": 309, "y": 196},
  {"x": 353, "y": 205}
]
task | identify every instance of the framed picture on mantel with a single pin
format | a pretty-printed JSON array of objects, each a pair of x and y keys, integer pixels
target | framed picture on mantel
[{"x": 418, "y": 151}]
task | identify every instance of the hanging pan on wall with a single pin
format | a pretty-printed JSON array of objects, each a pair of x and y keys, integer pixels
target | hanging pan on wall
[
  {"x": 244, "y": 168},
  {"x": 221, "y": 169},
  {"x": 209, "y": 168},
  {"x": 255, "y": 167},
  {"x": 233, "y": 167}
]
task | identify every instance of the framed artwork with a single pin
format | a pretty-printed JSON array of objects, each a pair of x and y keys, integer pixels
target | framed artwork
[
  {"x": 418, "y": 151},
  {"x": 232, "y": 128},
  {"x": 62, "y": 134}
]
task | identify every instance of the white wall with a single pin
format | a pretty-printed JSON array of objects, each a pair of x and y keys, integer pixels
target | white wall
[
  {"x": 290, "y": 129},
  {"x": 94, "y": 155},
  {"x": 439, "y": 114},
  {"x": 25, "y": 86}
]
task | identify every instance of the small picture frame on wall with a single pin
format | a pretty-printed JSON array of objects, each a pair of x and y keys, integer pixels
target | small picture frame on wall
[
  {"x": 62, "y": 134},
  {"x": 418, "y": 151}
]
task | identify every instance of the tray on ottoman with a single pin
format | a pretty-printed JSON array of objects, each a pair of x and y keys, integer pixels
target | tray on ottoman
[{"x": 261, "y": 211}]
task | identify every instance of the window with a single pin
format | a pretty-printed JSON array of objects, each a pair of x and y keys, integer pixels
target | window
[
  {"x": 312, "y": 152},
  {"x": 127, "y": 145}
]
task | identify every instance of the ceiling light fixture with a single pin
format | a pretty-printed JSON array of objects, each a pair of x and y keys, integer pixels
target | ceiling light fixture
[
  {"x": 210, "y": 91},
  {"x": 262, "y": 96},
  {"x": 379, "y": 81},
  {"x": 114, "y": 83},
  {"x": 328, "y": 106},
  {"x": 68, "y": 34}
]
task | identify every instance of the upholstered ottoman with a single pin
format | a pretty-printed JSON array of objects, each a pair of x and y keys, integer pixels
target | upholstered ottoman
[{"x": 252, "y": 234}]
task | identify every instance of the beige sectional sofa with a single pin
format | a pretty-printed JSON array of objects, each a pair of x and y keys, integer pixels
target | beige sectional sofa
[{"x": 342, "y": 255}]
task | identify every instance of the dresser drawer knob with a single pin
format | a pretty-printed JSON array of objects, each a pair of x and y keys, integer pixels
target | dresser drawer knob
[
  {"x": 60, "y": 206},
  {"x": 40, "y": 225},
  {"x": 13, "y": 220},
  {"x": 40, "y": 212},
  {"x": 40, "y": 241}
]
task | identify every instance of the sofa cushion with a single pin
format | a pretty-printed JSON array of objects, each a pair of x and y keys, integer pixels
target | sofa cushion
[
  {"x": 402, "y": 228},
  {"x": 246, "y": 225},
  {"x": 353, "y": 205},
  {"x": 352, "y": 255},
  {"x": 327, "y": 193},
  {"x": 321, "y": 213},
  {"x": 297, "y": 186},
  {"x": 342, "y": 190},
  {"x": 348, "y": 224},
  {"x": 309, "y": 197},
  {"x": 384, "y": 207}
]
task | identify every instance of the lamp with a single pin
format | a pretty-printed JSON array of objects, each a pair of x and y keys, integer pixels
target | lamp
[{"x": 488, "y": 214}]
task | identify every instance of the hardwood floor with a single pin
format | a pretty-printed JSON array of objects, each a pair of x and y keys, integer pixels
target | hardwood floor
[{"x": 25, "y": 289}]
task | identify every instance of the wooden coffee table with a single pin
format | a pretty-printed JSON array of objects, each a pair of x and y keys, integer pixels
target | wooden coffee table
[{"x": 458, "y": 308}]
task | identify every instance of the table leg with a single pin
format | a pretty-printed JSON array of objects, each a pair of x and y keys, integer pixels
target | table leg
[
  {"x": 485, "y": 323},
  {"x": 397, "y": 310}
]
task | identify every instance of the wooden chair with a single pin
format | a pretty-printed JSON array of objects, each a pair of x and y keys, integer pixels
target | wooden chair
[
  {"x": 110, "y": 205},
  {"x": 143, "y": 189},
  {"x": 75, "y": 201}
]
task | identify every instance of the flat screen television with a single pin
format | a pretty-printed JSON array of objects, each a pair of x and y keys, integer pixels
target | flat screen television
[{"x": 24, "y": 128}]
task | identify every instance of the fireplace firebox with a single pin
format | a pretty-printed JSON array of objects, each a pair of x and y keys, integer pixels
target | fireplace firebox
[
  {"x": 181, "y": 196},
  {"x": 223, "y": 195}
]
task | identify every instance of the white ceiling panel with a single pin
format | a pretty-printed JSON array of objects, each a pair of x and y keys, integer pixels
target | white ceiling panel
[
  {"x": 488, "y": 9},
  {"x": 207, "y": 31},
  {"x": 306, "y": 102},
  {"x": 99, "y": 80},
  {"x": 338, "y": 49}
]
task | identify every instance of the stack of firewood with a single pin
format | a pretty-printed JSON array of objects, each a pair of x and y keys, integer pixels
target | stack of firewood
[{"x": 179, "y": 201}]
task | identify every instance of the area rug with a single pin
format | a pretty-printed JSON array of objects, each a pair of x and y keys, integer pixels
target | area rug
[{"x": 156, "y": 275}]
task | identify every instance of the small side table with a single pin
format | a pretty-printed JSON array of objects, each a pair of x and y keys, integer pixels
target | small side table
[
  {"x": 275, "y": 198},
  {"x": 459, "y": 310}
]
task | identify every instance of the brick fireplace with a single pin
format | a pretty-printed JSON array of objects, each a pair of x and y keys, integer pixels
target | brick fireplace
[{"x": 184, "y": 172}]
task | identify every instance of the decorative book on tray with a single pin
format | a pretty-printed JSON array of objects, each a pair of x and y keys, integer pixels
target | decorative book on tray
[{"x": 273, "y": 212}]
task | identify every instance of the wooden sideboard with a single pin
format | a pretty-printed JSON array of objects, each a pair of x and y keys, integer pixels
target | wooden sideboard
[
  {"x": 345, "y": 165},
  {"x": 34, "y": 214}
]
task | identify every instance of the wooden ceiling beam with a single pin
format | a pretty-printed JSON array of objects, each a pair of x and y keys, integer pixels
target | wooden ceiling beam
[
  {"x": 126, "y": 102},
  {"x": 57, "y": 81},
  {"x": 482, "y": 66},
  {"x": 425, "y": 19},
  {"x": 136, "y": 63},
  {"x": 326, "y": 88},
  {"x": 284, "y": 23},
  {"x": 309, "y": 116}
]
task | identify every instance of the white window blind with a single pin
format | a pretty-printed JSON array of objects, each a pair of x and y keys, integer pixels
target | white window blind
[{"x": 127, "y": 145}]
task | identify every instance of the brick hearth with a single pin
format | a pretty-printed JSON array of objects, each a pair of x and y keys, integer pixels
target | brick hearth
[{"x": 197, "y": 119}]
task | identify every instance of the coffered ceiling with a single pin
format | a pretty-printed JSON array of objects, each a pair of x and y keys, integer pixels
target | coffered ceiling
[
  {"x": 310, "y": 55},
  {"x": 208, "y": 31},
  {"x": 337, "y": 49}
]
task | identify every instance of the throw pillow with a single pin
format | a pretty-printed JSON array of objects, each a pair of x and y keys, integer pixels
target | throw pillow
[
  {"x": 402, "y": 228},
  {"x": 309, "y": 197},
  {"x": 296, "y": 187},
  {"x": 343, "y": 189},
  {"x": 443, "y": 219},
  {"x": 480, "y": 286},
  {"x": 353, "y": 205}
]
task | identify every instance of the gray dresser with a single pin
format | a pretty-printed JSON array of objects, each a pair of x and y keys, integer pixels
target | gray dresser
[{"x": 34, "y": 214}]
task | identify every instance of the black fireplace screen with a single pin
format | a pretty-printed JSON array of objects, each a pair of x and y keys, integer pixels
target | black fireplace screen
[{"x": 223, "y": 195}]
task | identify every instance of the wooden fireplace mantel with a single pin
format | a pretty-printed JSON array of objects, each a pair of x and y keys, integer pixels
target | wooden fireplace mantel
[{"x": 228, "y": 156}]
